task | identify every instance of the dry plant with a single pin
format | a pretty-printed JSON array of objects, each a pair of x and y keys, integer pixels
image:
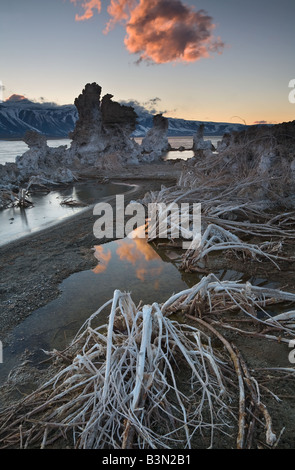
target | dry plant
[
  {"x": 214, "y": 297},
  {"x": 245, "y": 192},
  {"x": 144, "y": 380},
  {"x": 7, "y": 198},
  {"x": 68, "y": 201},
  {"x": 211, "y": 304},
  {"x": 226, "y": 225},
  {"x": 141, "y": 381},
  {"x": 216, "y": 238}
]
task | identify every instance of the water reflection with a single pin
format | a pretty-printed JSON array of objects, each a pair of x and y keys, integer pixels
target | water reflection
[
  {"x": 23, "y": 216},
  {"x": 103, "y": 257},
  {"x": 130, "y": 265},
  {"x": 136, "y": 254},
  {"x": 17, "y": 222}
]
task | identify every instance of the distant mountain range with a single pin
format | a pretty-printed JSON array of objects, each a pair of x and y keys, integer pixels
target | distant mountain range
[
  {"x": 181, "y": 127},
  {"x": 19, "y": 115}
]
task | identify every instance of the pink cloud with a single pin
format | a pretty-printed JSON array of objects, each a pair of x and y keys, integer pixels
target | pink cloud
[
  {"x": 168, "y": 31},
  {"x": 119, "y": 11},
  {"x": 161, "y": 31},
  {"x": 16, "y": 98},
  {"x": 88, "y": 6}
]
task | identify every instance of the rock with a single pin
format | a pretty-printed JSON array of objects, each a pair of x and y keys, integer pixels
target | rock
[
  {"x": 89, "y": 124},
  {"x": 115, "y": 115},
  {"x": 119, "y": 122},
  {"x": 41, "y": 160},
  {"x": 7, "y": 198},
  {"x": 155, "y": 143},
  {"x": 63, "y": 175},
  {"x": 104, "y": 127},
  {"x": 267, "y": 161},
  {"x": 199, "y": 143},
  {"x": 111, "y": 162},
  {"x": 87, "y": 139},
  {"x": 9, "y": 175},
  {"x": 35, "y": 140},
  {"x": 101, "y": 139}
]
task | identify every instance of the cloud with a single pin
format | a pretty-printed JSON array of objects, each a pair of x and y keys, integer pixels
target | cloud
[
  {"x": 146, "y": 109},
  {"x": 104, "y": 257},
  {"x": 135, "y": 251},
  {"x": 140, "y": 255},
  {"x": 16, "y": 97},
  {"x": 261, "y": 122},
  {"x": 89, "y": 6},
  {"x": 120, "y": 11},
  {"x": 41, "y": 103},
  {"x": 161, "y": 31}
]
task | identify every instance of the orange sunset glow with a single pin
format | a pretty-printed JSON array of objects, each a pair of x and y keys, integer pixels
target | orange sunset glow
[
  {"x": 136, "y": 252},
  {"x": 104, "y": 257},
  {"x": 200, "y": 60}
]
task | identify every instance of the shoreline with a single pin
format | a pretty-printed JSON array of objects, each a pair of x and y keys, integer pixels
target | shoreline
[
  {"x": 33, "y": 267},
  {"x": 67, "y": 218}
]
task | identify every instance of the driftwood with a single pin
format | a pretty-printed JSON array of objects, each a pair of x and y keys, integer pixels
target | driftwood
[
  {"x": 72, "y": 203},
  {"x": 23, "y": 201},
  {"x": 7, "y": 198},
  {"x": 216, "y": 238}
]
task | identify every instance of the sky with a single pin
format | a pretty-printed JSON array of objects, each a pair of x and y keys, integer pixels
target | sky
[{"x": 205, "y": 60}]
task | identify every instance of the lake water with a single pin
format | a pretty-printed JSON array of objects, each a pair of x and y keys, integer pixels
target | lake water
[
  {"x": 47, "y": 209},
  {"x": 10, "y": 149}
]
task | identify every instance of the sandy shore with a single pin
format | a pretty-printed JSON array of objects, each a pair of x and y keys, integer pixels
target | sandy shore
[{"x": 33, "y": 267}]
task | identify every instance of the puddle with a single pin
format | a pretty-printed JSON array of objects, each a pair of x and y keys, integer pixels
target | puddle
[
  {"x": 129, "y": 265},
  {"x": 48, "y": 211}
]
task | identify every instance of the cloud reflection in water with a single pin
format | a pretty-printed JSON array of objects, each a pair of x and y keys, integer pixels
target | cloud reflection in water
[{"x": 136, "y": 252}]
